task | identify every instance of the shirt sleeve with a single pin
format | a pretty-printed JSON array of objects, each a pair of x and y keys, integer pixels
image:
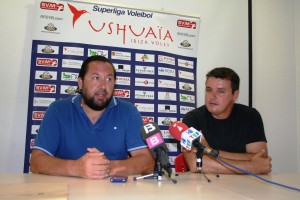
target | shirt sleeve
[{"x": 256, "y": 128}]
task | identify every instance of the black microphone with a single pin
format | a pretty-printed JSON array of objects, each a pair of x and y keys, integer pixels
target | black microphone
[{"x": 153, "y": 137}]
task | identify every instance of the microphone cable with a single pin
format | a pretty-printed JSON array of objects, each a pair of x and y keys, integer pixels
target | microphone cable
[{"x": 252, "y": 174}]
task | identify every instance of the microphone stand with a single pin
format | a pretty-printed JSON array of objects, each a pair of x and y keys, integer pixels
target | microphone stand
[
  {"x": 199, "y": 163},
  {"x": 156, "y": 174}
]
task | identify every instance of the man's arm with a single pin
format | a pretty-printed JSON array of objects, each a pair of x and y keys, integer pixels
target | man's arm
[
  {"x": 255, "y": 161},
  {"x": 140, "y": 162},
  {"x": 251, "y": 149},
  {"x": 92, "y": 165}
]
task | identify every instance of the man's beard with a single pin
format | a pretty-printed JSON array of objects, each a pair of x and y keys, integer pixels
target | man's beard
[{"x": 91, "y": 102}]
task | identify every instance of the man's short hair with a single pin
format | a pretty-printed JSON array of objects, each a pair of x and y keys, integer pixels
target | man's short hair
[{"x": 225, "y": 73}]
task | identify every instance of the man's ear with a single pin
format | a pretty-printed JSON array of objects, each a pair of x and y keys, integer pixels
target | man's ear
[
  {"x": 236, "y": 95},
  {"x": 80, "y": 83}
]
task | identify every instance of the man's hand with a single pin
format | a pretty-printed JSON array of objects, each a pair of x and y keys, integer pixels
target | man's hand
[
  {"x": 261, "y": 163},
  {"x": 92, "y": 165}
]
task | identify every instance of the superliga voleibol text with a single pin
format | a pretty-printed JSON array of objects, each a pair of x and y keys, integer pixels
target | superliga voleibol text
[{"x": 118, "y": 12}]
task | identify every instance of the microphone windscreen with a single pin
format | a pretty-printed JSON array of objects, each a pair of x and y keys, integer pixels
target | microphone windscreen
[{"x": 177, "y": 128}]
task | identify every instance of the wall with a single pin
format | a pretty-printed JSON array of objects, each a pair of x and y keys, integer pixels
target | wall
[
  {"x": 274, "y": 78},
  {"x": 297, "y": 74},
  {"x": 274, "y": 71}
]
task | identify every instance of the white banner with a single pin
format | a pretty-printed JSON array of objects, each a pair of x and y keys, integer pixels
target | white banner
[{"x": 154, "y": 54}]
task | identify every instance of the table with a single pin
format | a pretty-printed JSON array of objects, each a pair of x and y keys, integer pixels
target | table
[{"x": 189, "y": 186}]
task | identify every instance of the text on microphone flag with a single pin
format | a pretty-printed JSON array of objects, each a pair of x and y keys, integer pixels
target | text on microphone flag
[{"x": 154, "y": 140}]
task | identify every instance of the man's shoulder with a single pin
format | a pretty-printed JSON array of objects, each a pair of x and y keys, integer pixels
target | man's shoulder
[
  {"x": 244, "y": 109},
  {"x": 123, "y": 104},
  {"x": 63, "y": 103},
  {"x": 199, "y": 111}
]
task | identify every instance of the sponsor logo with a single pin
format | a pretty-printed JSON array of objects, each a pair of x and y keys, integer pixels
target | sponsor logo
[
  {"x": 167, "y": 108},
  {"x": 185, "y": 43},
  {"x": 69, "y": 76},
  {"x": 50, "y": 27},
  {"x": 45, "y": 75},
  {"x": 185, "y": 109},
  {"x": 172, "y": 147},
  {"x": 166, "y": 71},
  {"x": 76, "y": 13},
  {"x": 68, "y": 89},
  {"x": 47, "y": 49},
  {"x": 144, "y": 107},
  {"x": 38, "y": 115},
  {"x": 122, "y": 93},
  {"x": 44, "y": 88},
  {"x": 121, "y": 55},
  {"x": 68, "y": 63},
  {"x": 35, "y": 129},
  {"x": 186, "y": 86},
  {"x": 97, "y": 52},
  {"x": 42, "y": 102},
  {"x": 144, "y": 82},
  {"x": 169, "y": 96},
  {"x": 166, "y": 121},
  {"x": 186, "y": 24},
  {"x": 186, "y": 64},
  {"x": 144, "y": 70},
  {"x": 144, "y": 57},
  {"x": 147, "y": 119},
  {"x": 122, "y": 68},
  {"x": 32, "y": 143},
  {"x": 144, "y": 94},
  {"x": 172, "y": 159},
  {"x": 185, "y": 75},
  {"x": 74, "y": 51},
  {"x": 49, "y": 17},
  {"x": 186, "y": 35},
  {"x": 52, "y": 6},
  {"x": 166, "y": 134},
  {"x": 48, "y": 62},
  {"x": 187, "y": 98},
  {"x": 166, "y": 84},
  {"x": 166, "y": 60},
  {"x": 123, "y": 80}
]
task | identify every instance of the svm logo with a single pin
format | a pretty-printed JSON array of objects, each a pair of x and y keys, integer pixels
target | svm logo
[
  {"x": 186, "y": 24},
  {"x": 52, "y": 6}
]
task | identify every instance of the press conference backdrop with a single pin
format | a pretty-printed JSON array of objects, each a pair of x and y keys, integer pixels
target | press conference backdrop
[{"x": 154, "y": 53}]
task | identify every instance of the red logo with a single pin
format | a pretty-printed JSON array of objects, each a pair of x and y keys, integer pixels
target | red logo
[
  {"x": 38, "y": 115},
  {"x": 122, "y": 93},
  {"x": 76, "y": 13},
  {"x": 52, "y": 6},
  {"x": 186, "y": 24},
  {"x": 147, "y": 119},
  {"x": 46, "y": 62},
  {"x": 45, "y": 88}
]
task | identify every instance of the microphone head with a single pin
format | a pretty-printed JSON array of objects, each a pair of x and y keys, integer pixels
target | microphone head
[
  {"x": 152, "y": 136},
  {"x": 177, "y": 128}
]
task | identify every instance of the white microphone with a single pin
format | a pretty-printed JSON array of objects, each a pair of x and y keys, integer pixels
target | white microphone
[{"x": 189, "y": 137}]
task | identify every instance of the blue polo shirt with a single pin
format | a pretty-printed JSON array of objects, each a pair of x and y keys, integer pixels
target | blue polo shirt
[{"x": 66, "y": 132}]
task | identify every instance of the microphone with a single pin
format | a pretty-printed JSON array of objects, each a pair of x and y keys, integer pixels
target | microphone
[
  {"x": 153, "y": 137},
  {"x": 190, "y": 137}
]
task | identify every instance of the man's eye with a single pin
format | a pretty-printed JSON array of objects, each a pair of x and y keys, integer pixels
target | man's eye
[{"x": 109, "y": 79}]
